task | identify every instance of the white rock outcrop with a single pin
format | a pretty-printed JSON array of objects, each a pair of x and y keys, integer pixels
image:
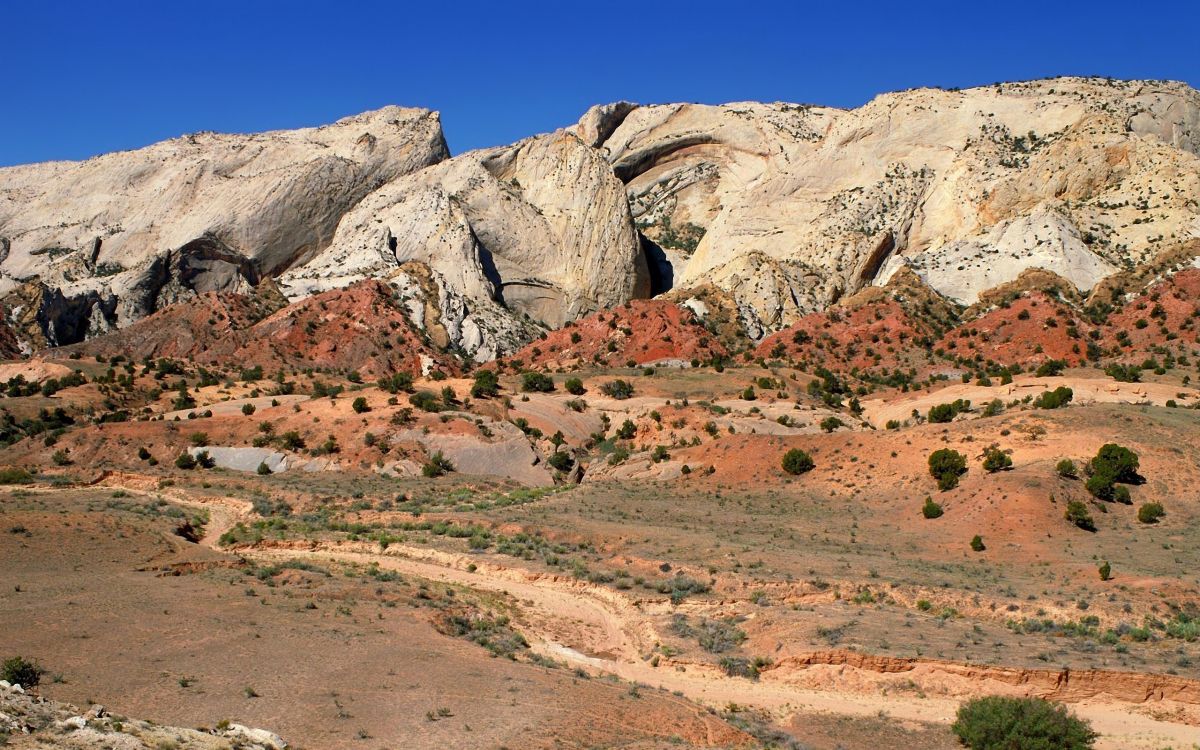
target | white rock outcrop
[
  {"x": 538, "y": 231},
  {"x": 785, "y": 208},
  {"x": 788, "y": 207},
  {"x": 129, "y": 232}
]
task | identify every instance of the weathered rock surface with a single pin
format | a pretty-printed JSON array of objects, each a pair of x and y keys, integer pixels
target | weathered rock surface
[
  {"x": 539, "y": 230},
  {"x": 125, "y": 234},
  {"x": 789, "y": 207},
  {"x": 768, "y": 211},
  {"x": 507, "y": 453},
  {"x": 35, "y": 723},
  {"x": 364, "y": 327}
]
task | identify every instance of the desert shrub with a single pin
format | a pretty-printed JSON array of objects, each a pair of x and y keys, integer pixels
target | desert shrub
[
  {"x": 20, "y": 671},
  {"x": 1050, "y": 368},
  {"x": 977, "y": 543},
  {"x": 291, "y": 441},
  {"x": 325, "y": 390},
  {"x": 400, "y": 381},
  {"x": 1117, "y": 461},
  {"x": 1004, "y": 723},
  {"x": 486, "y": 385},
  {"x": 829, "y": 424},
  {"x": 1150, "y": 512},
  {"x": 1066, "y": 469},
  {"x": 1124, "y": 373},
  {"x": 680, "y": 587},
  {"x": 249, "y": 375},
  {"x": 15, "y": 476},
  {"x": 946, "y": 465},
  {"x": 943, "y": 413},
  {"x": 1100, "y": 486},
  {"x": 627, "y": 430},
  {"x": 560, "y": 461},
  {"x": 186, "y": 461},
  {"x": 618, "y": 389},
  {"x": 536, "y": 382},
  {"x": 263, "y": 469},
  {"x": 199, "y": 439},
  {"x": 575, "y": 387},
  {"x": 714, "y": 636},
  {"x": 494, "y": 633},
  {"x": 360, "y": 405},
  {"x": 1054, "y": 399},
  {"x": 1112, "y": 464},
  {"x": 737, "y": 666},
  {"x": 995, "y": 460},
  {"x": 797, "y": 461},
  {"x": 1105, "y": 571},
  {"x": 437, "y": 465},
  {"x": 1077, "y": 513},
  {"x": 426, "y": 401},
  {"x": 931, "y": 509}
]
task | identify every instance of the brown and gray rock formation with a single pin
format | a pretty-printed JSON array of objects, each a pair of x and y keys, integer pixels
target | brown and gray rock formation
[
  {"x": 538, "y": 231},
  {"x": 127, "y": 233},
  {"x": 776, "y": 210}
]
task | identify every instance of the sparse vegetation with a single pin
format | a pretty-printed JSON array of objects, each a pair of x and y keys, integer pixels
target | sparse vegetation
[
  {"x": 946, "y": 466},
  {"x": 1004, "y": 723},
  {"x": 797, "y": 461}
]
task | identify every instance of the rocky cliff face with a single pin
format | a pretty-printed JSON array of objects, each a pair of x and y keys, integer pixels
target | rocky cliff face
[
  {"x": 778, "y": 210},
  {"x": 517, "y": 238},
  {"x": 122, "y": 235},
  {"x": 789, "y": 207}
]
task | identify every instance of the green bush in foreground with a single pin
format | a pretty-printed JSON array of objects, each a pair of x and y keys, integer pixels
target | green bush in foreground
[
  {"x": 437, "y": 465},
  {"x": 946, "y": 466},
  {"x": 1002, "y": 723},
  {"x": 995, "y": 460},
  {"x": 15, "y": 476},
  {"x": 1150, "y": 512},
  {"x": 931, "y": 509},
  {"x": 797, "y": 461},
  {"x": 536, "y": 382},
  {"x": 21, "y": 671},
  {"x": 1077, "y": 513}
]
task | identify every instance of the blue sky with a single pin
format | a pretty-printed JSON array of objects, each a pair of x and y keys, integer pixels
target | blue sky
[{"x": 81, "y": 78}]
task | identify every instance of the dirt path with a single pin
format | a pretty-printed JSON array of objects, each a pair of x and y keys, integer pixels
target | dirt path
[{"x": 602, "y": 630}]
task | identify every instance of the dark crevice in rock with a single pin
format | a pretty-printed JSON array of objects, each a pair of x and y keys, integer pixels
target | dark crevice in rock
[
  {"x": 634, "y": 164},
  {"x": 658, "y": 265}
]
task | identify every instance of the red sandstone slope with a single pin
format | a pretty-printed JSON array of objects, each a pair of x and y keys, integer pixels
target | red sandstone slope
[
  {"x": 880, "y": 333},
  {"x": 643, "y": 331},
  {"x": 362, "y": 327},
  {"x": 1027, "y": 330}
]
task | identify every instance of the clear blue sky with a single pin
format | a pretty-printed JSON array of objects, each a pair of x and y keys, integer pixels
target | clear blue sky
[{"x": 81, "y": 78}]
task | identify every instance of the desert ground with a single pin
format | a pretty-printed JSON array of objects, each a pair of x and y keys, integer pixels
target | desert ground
[{"x": 695, "y": 595}]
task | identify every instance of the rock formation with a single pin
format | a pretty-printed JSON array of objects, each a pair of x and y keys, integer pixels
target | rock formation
[
  {"x": 789, "y": 207},
  {"x": 771, "y": 211},
  {"x": 535, "y": 232},
  {"x": 112, "y": 239}
]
